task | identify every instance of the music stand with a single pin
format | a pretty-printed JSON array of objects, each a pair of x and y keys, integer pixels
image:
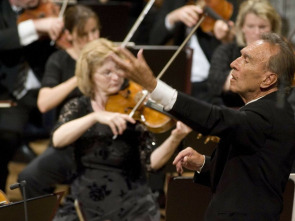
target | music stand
[{"x": 39, "y": 208}]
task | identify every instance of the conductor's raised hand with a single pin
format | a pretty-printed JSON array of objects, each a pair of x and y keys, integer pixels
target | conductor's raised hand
[
  {"x": 189, "y": 159},
  {"x": 134, "y": 68}
]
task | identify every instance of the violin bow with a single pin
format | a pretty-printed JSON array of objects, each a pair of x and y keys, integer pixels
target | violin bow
[
  {"x": 127, "y": 39},
  {"x": 145, "y": 92},
  {"x": 63, "y": 8},
  {"x": 137, "y": 22},
  {"x": 60, "y": 15}
]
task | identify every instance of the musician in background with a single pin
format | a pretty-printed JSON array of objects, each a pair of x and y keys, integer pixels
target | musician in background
[
  {"x": 59, "y": 85},
  {"x": 23, "y": 53},
  {"x": 174, "y": 21}
]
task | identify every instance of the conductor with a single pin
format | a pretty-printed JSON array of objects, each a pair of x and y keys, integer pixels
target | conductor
[{"x": 249, "y": 169}]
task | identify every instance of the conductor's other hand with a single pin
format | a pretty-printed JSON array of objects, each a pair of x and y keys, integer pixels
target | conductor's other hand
[
  {"x": 188, "y": 14},
  {"x": 189, "y": 159},
  {"x": 52, "y": 26},
  {"x": 135, "y": 69}
]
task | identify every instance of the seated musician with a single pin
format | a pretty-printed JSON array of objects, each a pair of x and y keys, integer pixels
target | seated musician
[{"x": 111, "y": 182}]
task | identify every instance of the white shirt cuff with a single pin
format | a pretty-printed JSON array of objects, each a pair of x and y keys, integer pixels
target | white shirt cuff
[
  {"x": 165, "y": 95},
  {"x": 199, "y": 171},
  {"x": 27, "y": 32},
  {"x": 168, "y": 25}
]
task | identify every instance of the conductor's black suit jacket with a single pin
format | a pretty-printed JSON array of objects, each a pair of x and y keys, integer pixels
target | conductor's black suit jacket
[{"x": 249, "y": 169}]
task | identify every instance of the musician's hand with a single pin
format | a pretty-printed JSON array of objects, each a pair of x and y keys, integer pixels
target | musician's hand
[
  {"x": 224, "y": 31},
  {"x": 188, "y": 14},
  {"x": 190, "y": 159},
  {"x": 116, "y": 121},
  {"x": 51, "y": 26},
  {"x": 181, "y": 130}
]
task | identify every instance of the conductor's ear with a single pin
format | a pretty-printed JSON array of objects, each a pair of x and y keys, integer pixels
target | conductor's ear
[{"x": 269, "y": 80}]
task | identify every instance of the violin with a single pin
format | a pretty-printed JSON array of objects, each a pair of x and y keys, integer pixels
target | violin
[
  {"x": 3, "y": 198},
  {"x": 124, "y": 102},
  {"x": 130, "y": 100},
  {"x": 44, "y": 9},
  {"x": 216, "y": 10}
]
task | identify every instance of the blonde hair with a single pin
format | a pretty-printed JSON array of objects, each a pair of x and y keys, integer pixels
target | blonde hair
[
  {"x": 91, "y": 57},
  {"x": 262, "y": 9}
]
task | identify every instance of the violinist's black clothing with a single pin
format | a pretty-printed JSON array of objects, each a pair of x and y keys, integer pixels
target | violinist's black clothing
[
  {"x": 111, "y": 181},
  {"x": 54, "y": 165},
  {"x": 15, "y": 60}
]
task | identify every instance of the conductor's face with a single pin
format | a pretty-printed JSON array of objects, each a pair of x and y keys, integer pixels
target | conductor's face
[{"x": 249, "y": 70}]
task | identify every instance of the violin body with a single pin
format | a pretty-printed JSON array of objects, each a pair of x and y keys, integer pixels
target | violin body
[
  {"x": 3, "y": 198},
  {"x": 221, "y": 8},
  {"x": 124, "y": 102},
  {"x": 43, "y": 10}
]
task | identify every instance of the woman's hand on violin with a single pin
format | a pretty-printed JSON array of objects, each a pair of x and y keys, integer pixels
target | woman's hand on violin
[
  {"x": 181, "y": 130},
  {"x": 52, "y": 26},
  {"x": 224, "y": 31},
  {"x": 188, "y": 14},
  {"x": 116, "y": 121}
]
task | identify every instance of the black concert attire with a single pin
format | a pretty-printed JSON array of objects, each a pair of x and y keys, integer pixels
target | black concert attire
[
  {"x": 254, "y": 157},
  {"x": 55, "y": 166},
  {"x": 18, "y": 64},
  {"x": 111, "y": 182}
]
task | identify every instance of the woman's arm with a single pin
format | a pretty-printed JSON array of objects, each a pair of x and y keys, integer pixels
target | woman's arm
[
  {"x": 162, "y": 154},
  {"x": 50, "y": 98},
  {"x": 74, "y": 129}
]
